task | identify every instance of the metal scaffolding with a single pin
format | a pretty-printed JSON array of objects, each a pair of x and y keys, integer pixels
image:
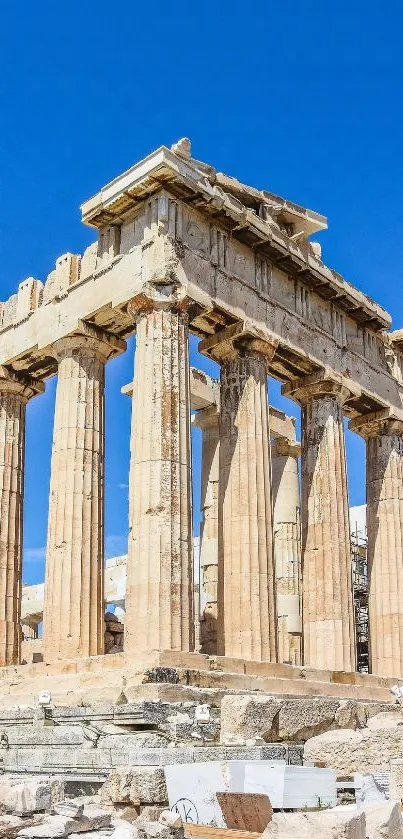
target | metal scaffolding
[{"x": 360, "y": 591}]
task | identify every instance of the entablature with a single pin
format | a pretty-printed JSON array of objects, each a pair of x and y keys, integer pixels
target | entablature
[{"x": 164, "y": 237}]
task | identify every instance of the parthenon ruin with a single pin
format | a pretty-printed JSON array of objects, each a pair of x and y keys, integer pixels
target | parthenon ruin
[{"x": 184, "y": 249}]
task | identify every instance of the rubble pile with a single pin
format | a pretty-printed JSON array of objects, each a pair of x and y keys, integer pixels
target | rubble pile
[{"x": 37, "y": 809}]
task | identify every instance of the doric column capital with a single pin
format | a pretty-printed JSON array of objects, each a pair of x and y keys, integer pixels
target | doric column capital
[
  {"x": 167, "y": 296},
  {"x": 23, "y": 386},
  {"x": 385, "y": 422},
  {"x": 91, "y": 339},
  {"x": 207, "y": 418},
  {"x": 241, "y": 338},
  {"x": 321, "y": 384},
  {"x": 287, "y": 448}
]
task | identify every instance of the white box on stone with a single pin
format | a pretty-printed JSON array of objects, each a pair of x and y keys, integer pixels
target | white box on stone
[
  {"x": 290, "y": 787},
  {"x": 192, "y": 787}
]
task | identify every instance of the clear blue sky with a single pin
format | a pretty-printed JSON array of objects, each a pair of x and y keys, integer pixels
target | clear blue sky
[{"x": 301, "y": 98}]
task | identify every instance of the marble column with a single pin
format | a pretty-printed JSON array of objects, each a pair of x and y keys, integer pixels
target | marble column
[
  {"x": 287, "y": 548},
  {"x": 246, "y": 584},
  {"x": 384, "y": 436},
  {"x": 207, "y": 420},
  {"x": 73, "y": 602},
  {"x": 15, "y": 391},
  {"x": 328, "y": 617},
  {"x": 159, "y": 608}
]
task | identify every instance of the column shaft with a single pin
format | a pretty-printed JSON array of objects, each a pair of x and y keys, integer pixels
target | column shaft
[
  {"x": 159, "y": 608},
  {"x": 385, "y": 549},
  {"x": 246, "y": 596},
  {"x": 14, "y": 395},
  {"x": 12, "y": 422},
  {"x": 328, "y": 621},
  {"x": 287, "y": 548},
  {"x": 73, "y": 606},
  {"x": 208, "y": 420}
]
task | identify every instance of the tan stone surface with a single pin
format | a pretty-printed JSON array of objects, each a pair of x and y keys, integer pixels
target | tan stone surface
[
  {"x": 73, "y": 607},
  {"x": 327, "y": 589},
  {"x": 364, "y": 750},
  {"x": 385, "y": 541},
  {"x": 159, "y": 610},
  {"x": 287, "y": 548},
  {"x": 144, "y": 784},
  {"x": 329, "y": 824},
  {"x": 14, "y": 394},
  {"x": 275, "y": 717},
  {"x": 246, "y": 593}
]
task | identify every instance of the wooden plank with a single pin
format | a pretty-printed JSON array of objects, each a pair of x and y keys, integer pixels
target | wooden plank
[
  {"x": 207, "y": 831},
  {"x": 245, "y": 811}
]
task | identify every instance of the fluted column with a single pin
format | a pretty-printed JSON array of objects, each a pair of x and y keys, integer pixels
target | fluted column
[
  {"x": 15, "y": 392},
  {"x": 207, "y": 420},
  {"x": 159, "y": 608},
  {"x": 384, "y": 436},
  {"x": 73, "y": 603},
  {"x": 246, "y": 598},
  {"x": 328, "y": 618},
  {"x": 287, "y": 548}
]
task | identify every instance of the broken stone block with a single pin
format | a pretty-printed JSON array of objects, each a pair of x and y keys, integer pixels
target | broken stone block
[
  {"x": 149, "y": 814},
  {"x": 25, "y": 798},
  {"x": 244, "y": 717},
  {"x": 326, "y": 824},
  {"x": 171, "y": 819},
  {"x": 126, "y": 830},
  {"x": 10, "y": 826},
  {"x": 384, "y": 821},
  {"x": 367, "y": 750},
  {"x": 155, "y": 830},
  {"x": 92, "y": 818},
  {"x": 68, "y": 808},
  {"x": 144, "y": 784},
  {"x": 128, "y": 814}
]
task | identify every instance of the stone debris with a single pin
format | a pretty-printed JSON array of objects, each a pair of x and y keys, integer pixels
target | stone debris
[
  {"x": 137, "y": 784},
  {"x": 366, "y": 750},
  {"x": 371, "y": 788},
  {"x": 126, "y": 830},
  {"x": 73, "y": 809},
  {"x": 150, "y": 813},
  {"x": 384, "y": 821},
  {"x": 300, "y": 718},
  {"x": 26, "y": 797},
  {"x": 327, "y": 824},
  {"x": 155, "y": 830},
  {"x": 10, "y": 826},
  {"x": 53, "y": 826},
  {"x": 171, "y": 819}
]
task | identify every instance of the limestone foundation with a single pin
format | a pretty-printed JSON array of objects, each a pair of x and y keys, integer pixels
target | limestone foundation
[
  {"x": 159, "y": 610},
  {"x": 73, "y": 608},
  {"x": 14, "y": 394},
  {"x": 327, "y": 592}
]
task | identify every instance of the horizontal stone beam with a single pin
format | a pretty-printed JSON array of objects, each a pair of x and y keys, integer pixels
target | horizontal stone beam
[
  {"x": 204, "y": 392},
  {"x": 233, "y": 265}
]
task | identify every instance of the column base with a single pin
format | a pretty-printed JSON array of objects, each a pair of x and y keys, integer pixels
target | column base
[
  {"x": 9, "y": 647},
  {"x": 123, "y": 677}
]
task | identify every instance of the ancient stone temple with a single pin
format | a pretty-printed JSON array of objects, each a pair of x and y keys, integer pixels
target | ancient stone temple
[{"x": 180, "y": 249}]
